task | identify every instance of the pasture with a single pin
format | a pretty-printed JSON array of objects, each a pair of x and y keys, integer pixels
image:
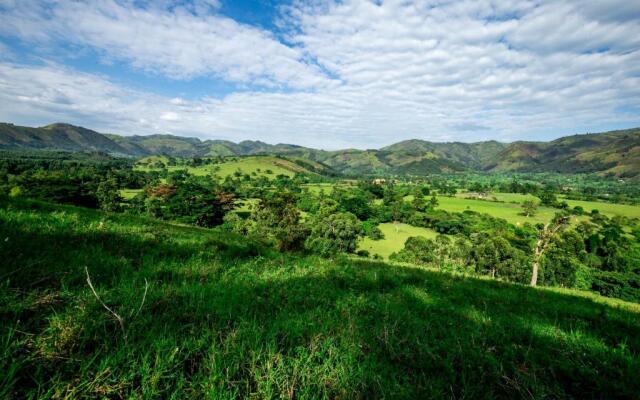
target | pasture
[
  {"x": 394, "y": 237},
  {"x": 266, "y": 166}
]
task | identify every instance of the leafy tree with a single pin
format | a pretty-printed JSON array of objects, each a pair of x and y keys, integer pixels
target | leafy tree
[
  {"x": 333, "y": 233},
  {"x": 354, "y": 201},
  {"x": 544, "y": 238},
  {"x": 417, "y": 250},
  {"x": 529, "y": 208},
  {"x": 276, "y": 218},
  {"x": 548, "y": 198},
  {"x": 108, "y": 195},
  {"x": 564, "y": 259},
  {"x": 433, "y": 202},
  {"x": 418, "y": 202},
  {"x": 494, "y": 255},
  {"x": 372, "y": 231}
]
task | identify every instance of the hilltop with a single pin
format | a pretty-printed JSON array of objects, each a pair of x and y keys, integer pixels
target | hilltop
[
  {"x": 224, "y": 317},
  {"x": 614, "y": 153}
]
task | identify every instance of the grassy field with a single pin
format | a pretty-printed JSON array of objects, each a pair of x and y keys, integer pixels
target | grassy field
[
  {"x": 505, "y": 197},
  {"x": 224, "y": 318},
  {"x": 394, "y": 237},
  {"x": 608, "y": 209},
  {"x": 316, "y": 188},
  {"x": 246, "y": 165},
  {"x": 129, "y": 194},
  {"x": 509, "y": 211}
]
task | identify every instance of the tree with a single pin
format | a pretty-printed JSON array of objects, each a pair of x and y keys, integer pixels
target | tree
[
  {"x": 433, "y": 202},
  {"x": 496, "y": 256},
  {"x": 108, "y": 195},
  {"x": 544, "y": 238},
  {"x": 548, "y": 198},
  {"x": 334, "y": 233},
  {"x": 564, "y": 259},
  {"x": 418, "y": 202},
  {"x": 529, "y": 208},
  {"x": 417, "y": 250},
  {"x": 276, "y": 218},
  {"x": 354, "y": 201}
]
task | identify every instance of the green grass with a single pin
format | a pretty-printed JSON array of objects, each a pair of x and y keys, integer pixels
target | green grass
[
  {"x": 506, "y": 197},
  {"x": 246, "y": 165},
  {"x": 316, "y": 188},
  {"x": 224, "y": 318},
  {"x": 508, "y": 211},
  {"x": 609, "y": 209},
  {"x": 129, "y": 194},
  {"x": 394, "y": 237}
]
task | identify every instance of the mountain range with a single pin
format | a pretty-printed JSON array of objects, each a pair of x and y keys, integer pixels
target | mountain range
[{"x": 610, "y": 153}]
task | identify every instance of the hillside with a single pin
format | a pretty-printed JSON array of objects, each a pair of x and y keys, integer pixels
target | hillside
[
  {"x": 616, "y": 152},
  {"x": 263, "y": 165},
  {"x": 223, "y": 317},
  {"x": 57, "y": 137}
]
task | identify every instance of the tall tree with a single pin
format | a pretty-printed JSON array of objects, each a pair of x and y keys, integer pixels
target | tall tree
[{"x": 544, "y": 238}]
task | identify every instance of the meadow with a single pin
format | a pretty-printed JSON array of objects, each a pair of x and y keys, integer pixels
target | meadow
[
  {"x": 225, "y": 318},
  {"x": 266, "y": 166},
  {"x": 394, "y": 237}
]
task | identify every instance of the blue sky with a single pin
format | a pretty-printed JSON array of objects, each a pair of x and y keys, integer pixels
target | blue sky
[{"x": 321, "y": 73}]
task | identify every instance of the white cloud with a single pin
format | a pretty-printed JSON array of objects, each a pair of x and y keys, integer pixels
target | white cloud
[
  {"x": 180, "y": 42},
  {"x": 437, "y": 70}
]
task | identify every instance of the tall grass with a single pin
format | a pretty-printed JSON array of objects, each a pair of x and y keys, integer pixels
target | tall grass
[{"x": 225, "y": 318}]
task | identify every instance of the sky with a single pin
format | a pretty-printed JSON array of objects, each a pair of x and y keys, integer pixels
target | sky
[{"x": 322, "y": 73}]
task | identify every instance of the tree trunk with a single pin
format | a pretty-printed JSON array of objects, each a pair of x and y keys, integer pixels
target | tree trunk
[
  {"x": 542, "y": 243},
  {"x": 534, "y": 274}
]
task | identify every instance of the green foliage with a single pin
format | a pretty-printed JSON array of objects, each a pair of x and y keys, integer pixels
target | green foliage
[
  {"x": 108, "y": 195},
  {"x": 190, "y": 200},
  {"x": 529, "y": 208},
  {"x": 495, "y": 256},
  {"x": 417, "y": 250},
  {"x": 276, "y": 218},
  {"x": 372, "y": 230},
  {"x": 334, "y": 233}
]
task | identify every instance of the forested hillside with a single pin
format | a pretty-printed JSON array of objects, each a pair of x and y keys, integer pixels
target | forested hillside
[{"x": 611, "y": 153}]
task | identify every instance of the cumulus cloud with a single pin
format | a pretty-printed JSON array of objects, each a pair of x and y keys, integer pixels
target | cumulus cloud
[
  {"x": 181, "y": 42},
  {"x": 381, "y": 72}
]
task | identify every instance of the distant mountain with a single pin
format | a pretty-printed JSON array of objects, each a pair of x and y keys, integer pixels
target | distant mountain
[
  {"x": 616, "y": 152},
  {"x": 58, "y": 137}
]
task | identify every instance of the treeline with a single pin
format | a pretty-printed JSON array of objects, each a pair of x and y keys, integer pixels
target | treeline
[{"x": 596, "y": 253}]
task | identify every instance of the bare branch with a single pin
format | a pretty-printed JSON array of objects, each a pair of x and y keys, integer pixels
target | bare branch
[
  {"x": 144, "y": 296},
  {"x": 118, "y": 318}
]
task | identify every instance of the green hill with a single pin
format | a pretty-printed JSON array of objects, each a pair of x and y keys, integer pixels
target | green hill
[
  {"x": 224, "y": 318},
  {"x": 616, "y": 153},
  {"x": 57, "y": 137},
  {"x": 262, "y": 165}
]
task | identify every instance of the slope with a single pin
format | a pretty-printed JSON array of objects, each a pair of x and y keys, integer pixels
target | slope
[
  {"x": 616, "y": 152},
  {"x": 225, "y": 318},
  {"x": 56, "y": 137}
]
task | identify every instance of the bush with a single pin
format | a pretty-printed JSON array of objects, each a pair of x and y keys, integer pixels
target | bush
[{"x": 362, "y": 253}]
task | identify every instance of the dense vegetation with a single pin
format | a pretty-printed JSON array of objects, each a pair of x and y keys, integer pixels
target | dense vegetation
[
  {"x": 228, "y": 276},
  {"x": 609, "y": 154},
  {"x": 589, "y": 250}
]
